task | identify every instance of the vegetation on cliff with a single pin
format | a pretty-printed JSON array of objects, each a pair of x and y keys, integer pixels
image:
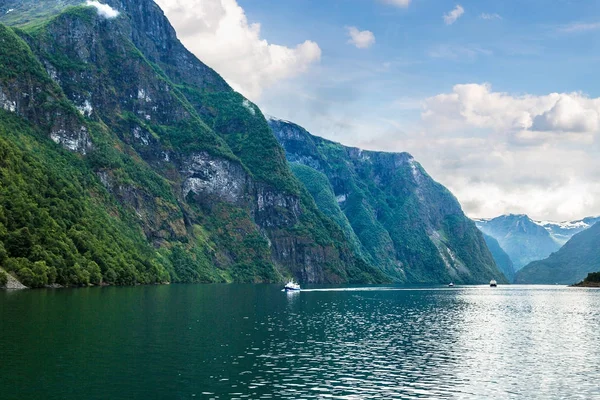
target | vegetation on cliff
[
  {"x": 129, "y": 161},
  {"x": 400, "y": 219}
]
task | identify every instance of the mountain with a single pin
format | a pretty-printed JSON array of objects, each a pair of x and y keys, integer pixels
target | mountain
[
  {"x": 503, "y": 261},
  {"x": 578, "y": 257},
  {"x": 390, "y": 210},
  {"x": 561, "y": 232},
  {"x": 520, "y": 237},
  {"x": 126, "y": 160}
]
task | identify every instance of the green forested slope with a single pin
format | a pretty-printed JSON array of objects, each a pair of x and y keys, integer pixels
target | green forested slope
[{"x": 406, "y": 223}]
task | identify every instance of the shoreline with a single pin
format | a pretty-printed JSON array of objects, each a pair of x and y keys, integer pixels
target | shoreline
[{"x": 585, "y": 284}]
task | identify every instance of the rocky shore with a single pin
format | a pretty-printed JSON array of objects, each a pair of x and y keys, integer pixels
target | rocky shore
[
  {"x": 12, "y": 283},
  {"x": 587, "y": 284}
]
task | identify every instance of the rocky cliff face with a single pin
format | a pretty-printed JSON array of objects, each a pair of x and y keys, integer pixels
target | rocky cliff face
[
  {"x": 193, "y": 163},
  {"x": 401, "y": 220}
]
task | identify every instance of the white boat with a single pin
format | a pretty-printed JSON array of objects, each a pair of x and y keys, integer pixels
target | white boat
[
  {"x": 493, "y": 283},
  {"x": 291, "y": 286}
]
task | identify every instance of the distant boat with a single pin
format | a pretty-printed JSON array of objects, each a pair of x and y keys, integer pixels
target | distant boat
[
  {"x": 493, "y": 283},
  {"x": 451, "y": 284},
  {"x": 291, "y": 286}
]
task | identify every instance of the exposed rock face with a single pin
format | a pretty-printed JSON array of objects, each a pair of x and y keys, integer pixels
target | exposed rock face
[
  {"x": 13, "y": 283},
  {"x": 406, "y": 224},
  {"x": 210, "y": 176},
  {"x": 40, "y": 101}
]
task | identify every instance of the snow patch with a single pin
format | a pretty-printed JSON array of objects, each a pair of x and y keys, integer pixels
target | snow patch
[
  {"x": 563, "y": 225},
  {"x": 104, "y": 10},
  {"x": 11, "y": 10}
]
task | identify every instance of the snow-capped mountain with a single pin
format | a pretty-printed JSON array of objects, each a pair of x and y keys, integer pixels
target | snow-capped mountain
[
  {"x": 561, "y": 232},
  {"x": 523, "y": 239},
  {"x": 526, "y": 240}
]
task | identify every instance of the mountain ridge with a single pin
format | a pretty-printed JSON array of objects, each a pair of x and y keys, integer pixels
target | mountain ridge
[
  {"x": 406, "y": 223},
  {"x": 569, "y": 265}
]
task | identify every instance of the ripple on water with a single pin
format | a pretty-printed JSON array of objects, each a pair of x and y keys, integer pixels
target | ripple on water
[{"x": 446, "y": 344}]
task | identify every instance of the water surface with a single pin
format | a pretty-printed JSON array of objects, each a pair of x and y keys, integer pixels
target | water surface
[{"x": 254, "y": 341}]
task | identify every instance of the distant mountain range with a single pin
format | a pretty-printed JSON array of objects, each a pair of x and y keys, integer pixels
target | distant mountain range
[
  {"x": 525, "y": 240},
  {"x": 569, "y": 265},
  {"x": 561, "y": 232}
]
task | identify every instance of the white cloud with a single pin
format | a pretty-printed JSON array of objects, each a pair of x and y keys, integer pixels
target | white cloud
[
  {"x": 453, "y": 15},
  {"x": 488, "y": 17},
  {"x": 104, "y": 10},
  {"x": 502, "y": 153},
  {"x": 477, "y": 106},
  {"x": 219, "y": 34},
  {"x": 577, "y": 27},
  {"x": 360, "y": 39},
  {"x": 397, "y": 3}
]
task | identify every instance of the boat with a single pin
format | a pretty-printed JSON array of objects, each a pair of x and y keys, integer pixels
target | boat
[
  {"x": 291, "y": 286},
  {"x": 451, "y": 284},
  {"x": 493, "y": 283}
]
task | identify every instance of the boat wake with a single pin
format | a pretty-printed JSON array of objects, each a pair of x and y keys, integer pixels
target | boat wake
[{"x": 371, "y": 289}]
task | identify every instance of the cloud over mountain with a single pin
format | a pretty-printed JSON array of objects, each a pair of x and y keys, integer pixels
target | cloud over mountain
[{"x": 219, "y": 33}]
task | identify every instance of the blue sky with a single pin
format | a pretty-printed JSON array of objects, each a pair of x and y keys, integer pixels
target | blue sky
[
  {"x": 501, "y": 104},
  {"x": 524, "y": 51}
]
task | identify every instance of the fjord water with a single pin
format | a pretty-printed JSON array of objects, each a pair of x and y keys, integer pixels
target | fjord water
[{"x": 254, "y": 341}]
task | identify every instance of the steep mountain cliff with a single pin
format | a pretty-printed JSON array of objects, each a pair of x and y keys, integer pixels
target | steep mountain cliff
[
  {"x": 520, "y": 237},
  {"x": 390, "y": 210},
  {"x": 503, "y": 261},
  {"x": 150, "y": 167},
  {"x": 578, "y": 257}
]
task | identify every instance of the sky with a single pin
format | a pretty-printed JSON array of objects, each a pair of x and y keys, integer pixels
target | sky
[{"x": 498, "y": 100}]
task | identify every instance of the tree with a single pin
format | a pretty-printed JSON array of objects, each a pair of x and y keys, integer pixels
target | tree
[
  {"x": 95, "y": 273},
  {"x": 3, "y": 278}
]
